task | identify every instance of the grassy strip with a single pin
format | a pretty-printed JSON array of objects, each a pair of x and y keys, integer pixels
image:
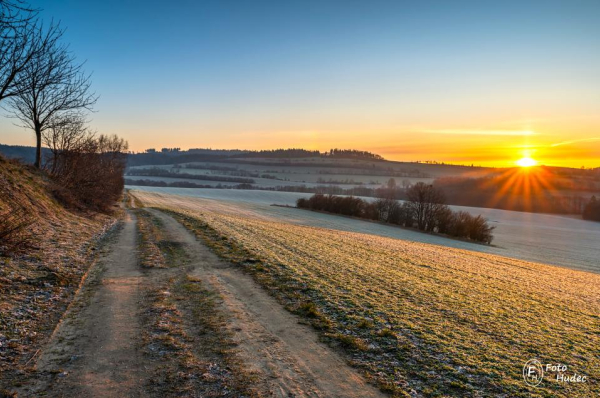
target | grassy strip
[
  {"x": 156, "y": 251},
  {"x": 185, "y": 333},
  {"x": 169, "y": 342}
]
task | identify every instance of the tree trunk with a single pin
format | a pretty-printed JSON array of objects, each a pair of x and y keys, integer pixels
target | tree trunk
[{"x": 38, "y": 148}]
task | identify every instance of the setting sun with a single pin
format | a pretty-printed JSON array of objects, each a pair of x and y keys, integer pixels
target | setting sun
[{"x": 526, "y": 162}]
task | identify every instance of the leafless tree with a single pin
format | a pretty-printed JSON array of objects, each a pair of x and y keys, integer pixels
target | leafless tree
[
  {"x": 66, "y": 134},
  {"x": 425, "y": 201},
  {"x": 29, "y": 41},
  {"x": 388, "y": 210},
  {"x": 21, "y": 39},
  {"x": 14, "y": 13},
  {"x": 50, "y": 86}
]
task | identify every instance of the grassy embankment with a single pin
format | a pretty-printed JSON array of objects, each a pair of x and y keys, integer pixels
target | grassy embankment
[
  {"x": 39, "y": 280},
  {"x": 412, "y": 316}
]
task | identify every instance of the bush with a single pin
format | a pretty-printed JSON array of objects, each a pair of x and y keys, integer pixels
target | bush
[
  {"x": 346, "y": 205},
  {"x": 427, "y": 212},
  {"x": 91, "y": 169},
  {"x": 302, "y": 203},
  {"x": 459, "y": 224},
  {"x": 464, "y": 225},
  {"x": 479, "y": 230}
]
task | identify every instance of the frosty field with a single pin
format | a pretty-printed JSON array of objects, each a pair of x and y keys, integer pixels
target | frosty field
[
  {"x": 418, "y": 319},
  {"x": 293, "y": 175},
  {"x": 526, "y": 236}
]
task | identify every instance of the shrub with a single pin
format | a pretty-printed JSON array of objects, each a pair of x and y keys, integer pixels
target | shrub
[
  {"x": 428, "y": 207},
  {"x": 479, "y": 230},
  {"x": 91, "y": 168},
  {"x": 302, "y": 203},
  {"x": 459, "y": 225}
]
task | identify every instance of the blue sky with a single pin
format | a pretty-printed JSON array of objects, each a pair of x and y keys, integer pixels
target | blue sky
[{"x": 263, "y": 74}]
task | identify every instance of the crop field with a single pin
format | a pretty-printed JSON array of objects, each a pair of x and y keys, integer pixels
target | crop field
[
  {"x": 260, "y": 182},
  {"x": 526, "y": 236},
  {"x": 418, "y": 319},
  {"x": 295, "y": 175}
]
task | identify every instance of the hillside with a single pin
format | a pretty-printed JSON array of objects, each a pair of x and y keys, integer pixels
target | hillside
[
  {"x": 418, "y": 319},
  {"x": 38, "y": 277}
]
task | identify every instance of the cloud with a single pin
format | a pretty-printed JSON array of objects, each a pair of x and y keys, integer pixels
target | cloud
[
  {"x": 518, "y": 133},
  {"x": 575, "y": 141}
]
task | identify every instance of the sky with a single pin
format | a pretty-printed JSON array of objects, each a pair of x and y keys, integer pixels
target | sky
[{"x": 468, "y": 82}]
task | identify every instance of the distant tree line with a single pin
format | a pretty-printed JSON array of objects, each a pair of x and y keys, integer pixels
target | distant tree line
[
  {"x": 353, "y": 154},
  {"x": 592, "y": 210},
  {"x": 24, "y": 153},
  {"x": 280, "y": 153},
  {"x": 424, "y": 209},
  {"x": 292, "y": 153},
  {"x": 158, "y": 172},
  {"x": 508, "y": 193},
  {"x": 176, "y": 155}
]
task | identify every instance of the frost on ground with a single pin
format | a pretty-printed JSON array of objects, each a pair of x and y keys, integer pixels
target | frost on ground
[
  {"x": 419, "y": 319},
  {"x": 526, "y": 236}
]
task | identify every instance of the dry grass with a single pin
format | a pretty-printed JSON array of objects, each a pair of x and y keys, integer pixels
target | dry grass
[
  {"x": 37, "y": 285},
  {"x": 421, "y": 319}
]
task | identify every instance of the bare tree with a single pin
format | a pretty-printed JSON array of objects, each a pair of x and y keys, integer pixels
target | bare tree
[
  {"x": 17, "y": 52},
  {"x": 21, "y": 39},
  {"x": 425, "y": 201},
  {"x": 51, "y": 85},
  {"x": 14, "y": 13},
  {"x": 66, "y": 134}
]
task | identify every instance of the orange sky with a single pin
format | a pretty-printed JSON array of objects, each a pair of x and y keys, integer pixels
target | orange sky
[
  {"x": 570, "y": 142},
  {"x": 482, "y": 84},
  {"x": 559, "y": 145}
]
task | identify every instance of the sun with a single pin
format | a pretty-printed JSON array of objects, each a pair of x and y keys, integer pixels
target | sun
[{"x": 526, "y": 162}]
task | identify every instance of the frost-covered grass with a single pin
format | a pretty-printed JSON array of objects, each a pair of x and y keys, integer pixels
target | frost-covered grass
[
  {"x": 259, "y": 182},
  {"x": 420, "y": 318},
  {"x": 550, "y": 239},
  {"x": 298, "y": 174}
]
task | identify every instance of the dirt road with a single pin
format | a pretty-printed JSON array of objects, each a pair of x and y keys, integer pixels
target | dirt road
[
  {"x": 287, "y": 355},
  {"x": 97, "y": 350}
]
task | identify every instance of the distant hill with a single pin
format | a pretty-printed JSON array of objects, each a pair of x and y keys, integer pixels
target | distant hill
[
  {"x": 24, "y": 153},
  {"x": 175, "y": 155}
]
